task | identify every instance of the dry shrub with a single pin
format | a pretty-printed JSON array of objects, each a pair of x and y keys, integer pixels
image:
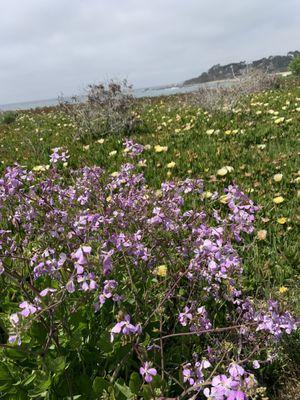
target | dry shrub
[
  {"x": 107, "y": 109},
  {"x": 227, "y": 97}
]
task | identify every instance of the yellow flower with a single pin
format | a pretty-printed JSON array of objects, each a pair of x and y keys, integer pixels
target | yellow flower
[
  {"x": 223, "y": 199},
  {"x": 210, "y": 131},
  {"x": 283, "y": 289},
  {"x": 40, "y": 168},
  {"x": 160, "y": 149},
  {"x": 281, "y": 220},
  {"x": 161, "y": 270},
  {"x": 277, "y": 177},
  {"x": 228, "y": 132},
  {"x": 114, "y": 174},
  {"x": 278, "y": 200},
  {"x": 112, "y": 153},
  {"x": 171, "y": 164},
  {"x": 224, "y": 170},
  {"x": 261, "y": 146},
  {"x": 261, "y": 235},
  {"x": 279, "y": 120},
  {"x": 207, "y": 195}
]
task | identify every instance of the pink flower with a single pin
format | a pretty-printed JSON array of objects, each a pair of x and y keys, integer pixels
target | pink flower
[
  {"x": 235, "y": 370},
  {"x": 147, "y": 372},
  {"x": 27, "y": 308},
  {"x": 125, "y": 327}
]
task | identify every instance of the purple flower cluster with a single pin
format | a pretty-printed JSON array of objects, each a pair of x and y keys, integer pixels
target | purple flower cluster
[
  {"x": 196, "y": 320},
  {"x": 236, "y": 385},
  {"x": 194, "y": 374},
  {"x": 242, "y": 211},
  {"x": 133, "y": 149},
  {"x": 59, "y": 155},
  {"x": 97, "y": 239},
  {"x": 275, "y": 322},
  {"x": 108, "y": 292}
]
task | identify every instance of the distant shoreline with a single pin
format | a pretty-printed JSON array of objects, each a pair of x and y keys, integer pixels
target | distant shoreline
[{"x": 158, "y": 91}]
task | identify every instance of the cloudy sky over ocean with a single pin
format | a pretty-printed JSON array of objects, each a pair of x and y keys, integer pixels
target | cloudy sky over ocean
[{"x": 48, "y": 47}]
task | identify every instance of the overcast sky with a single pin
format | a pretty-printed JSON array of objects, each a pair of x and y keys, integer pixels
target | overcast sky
[{"x": 48, "y": 47}]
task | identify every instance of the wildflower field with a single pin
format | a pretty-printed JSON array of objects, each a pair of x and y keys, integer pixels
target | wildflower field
[{"x": 164, "y": 265}]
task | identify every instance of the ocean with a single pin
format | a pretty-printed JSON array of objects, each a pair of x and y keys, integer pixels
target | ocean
[{"x": 138, "y": 93}]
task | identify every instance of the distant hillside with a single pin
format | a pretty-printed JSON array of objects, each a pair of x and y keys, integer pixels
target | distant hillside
[{"x": 218, "y": 72}]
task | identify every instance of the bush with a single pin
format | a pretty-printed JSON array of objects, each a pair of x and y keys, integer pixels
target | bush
[
  {"x": 294, "y": 66},
  {"x": 113, "y": 290},
  {"x": 227, "y": 97},
  {"x": 8, "y": 117},
  {"x": 108, "y": 109}
]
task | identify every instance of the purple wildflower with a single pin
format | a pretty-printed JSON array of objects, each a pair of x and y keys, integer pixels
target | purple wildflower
[
  {"x": 185, "y": 316},
  {"x": 27, "y": 308},
  {"x": 125, "y": 327},
  {"x": 147, "y": 372},
  {"x": 59, "y": 155},
  {"x": 235, "y": 370}
]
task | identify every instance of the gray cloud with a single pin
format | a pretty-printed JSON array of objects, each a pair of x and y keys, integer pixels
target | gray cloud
[{"x": 53, "y": 46}]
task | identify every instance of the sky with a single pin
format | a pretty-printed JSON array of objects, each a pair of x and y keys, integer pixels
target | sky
[{"x": 52, "y": 47}]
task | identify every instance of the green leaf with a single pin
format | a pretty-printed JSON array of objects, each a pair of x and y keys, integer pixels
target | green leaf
[
  {"x": 105, "y": 344},
  {"x": 111, "y": 393},
  {"x": 37, "y": 393},
  {"x": 6, "y": 379},
  {"x": 157, "y": 381},
  {"x": 38, "y": 332},
  {"x": 15, "y": 354},
  {"x": 29, "y": 379},
  {"x": 42, "y": 385},
  {"x": 84, "y": 384},
  {"x": 147, "y": 395},
  {"x": 99, "y": 385},
  {"x": 17, "y": 396},
  {"x": 135, "y": 382},
  {"x": 5, "y": 374},
  {"x": 124, "y": 389},
  {"x": 56, "y": 365}
]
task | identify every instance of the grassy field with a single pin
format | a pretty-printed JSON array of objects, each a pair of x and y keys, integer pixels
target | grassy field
[{"x": 259, "y": 139}]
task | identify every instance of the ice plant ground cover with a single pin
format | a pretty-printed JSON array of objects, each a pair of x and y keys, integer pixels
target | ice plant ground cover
[{"x": 166, "y": 269}]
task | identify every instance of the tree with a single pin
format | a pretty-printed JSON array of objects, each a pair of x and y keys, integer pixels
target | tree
[{"x": 294, "y": 65}]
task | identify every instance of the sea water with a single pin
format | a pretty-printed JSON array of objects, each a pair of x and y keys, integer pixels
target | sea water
[{"x": 138, "y": 93}]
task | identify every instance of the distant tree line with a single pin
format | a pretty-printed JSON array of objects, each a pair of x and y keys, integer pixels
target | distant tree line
[{"x": 270, "y": 64}]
